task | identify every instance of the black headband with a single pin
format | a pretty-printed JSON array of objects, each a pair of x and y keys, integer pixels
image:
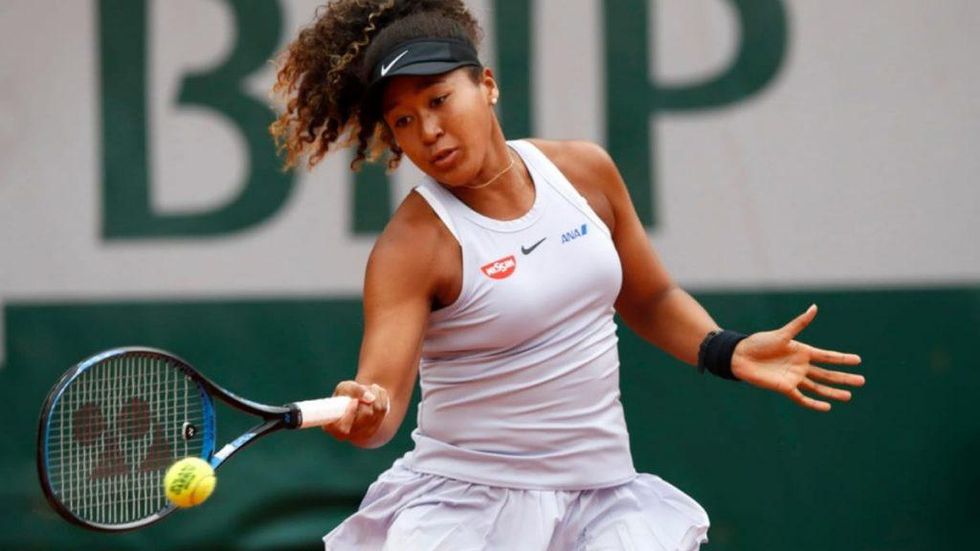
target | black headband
[{"x": 424, "y": 56}]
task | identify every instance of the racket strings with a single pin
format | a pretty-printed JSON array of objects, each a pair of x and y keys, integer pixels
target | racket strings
[{"x": 115, "y": 430}]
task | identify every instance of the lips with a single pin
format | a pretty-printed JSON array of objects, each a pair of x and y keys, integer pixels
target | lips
[{"x": 445, "y": 157}]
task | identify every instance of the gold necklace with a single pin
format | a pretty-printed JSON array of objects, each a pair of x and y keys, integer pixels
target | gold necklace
[{"x": 499, "y": 174}]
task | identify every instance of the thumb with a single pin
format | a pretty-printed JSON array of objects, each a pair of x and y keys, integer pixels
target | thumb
[{"x": 797, "y": 325}]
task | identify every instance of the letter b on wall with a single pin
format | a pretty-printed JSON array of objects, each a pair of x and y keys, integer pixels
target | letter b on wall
[{"x": 123, "y": 39}]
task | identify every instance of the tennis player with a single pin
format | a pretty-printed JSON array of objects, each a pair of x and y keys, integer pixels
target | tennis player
[{"x": 496, "y": 281}]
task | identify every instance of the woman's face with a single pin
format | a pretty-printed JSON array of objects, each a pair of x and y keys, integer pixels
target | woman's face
[{"x": 444, "y": 123}]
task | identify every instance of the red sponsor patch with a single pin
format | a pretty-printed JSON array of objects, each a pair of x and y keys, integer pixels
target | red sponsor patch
[{"x": 500, "y": 269}]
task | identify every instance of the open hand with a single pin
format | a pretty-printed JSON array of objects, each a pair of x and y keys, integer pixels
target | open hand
[{"x": 773, "y": 360}]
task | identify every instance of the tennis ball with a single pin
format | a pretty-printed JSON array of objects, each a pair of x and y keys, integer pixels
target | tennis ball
[{"x": 189, "y": 482}]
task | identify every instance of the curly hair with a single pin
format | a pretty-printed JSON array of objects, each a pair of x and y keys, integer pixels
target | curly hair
[{"x": 322, "y": 75}]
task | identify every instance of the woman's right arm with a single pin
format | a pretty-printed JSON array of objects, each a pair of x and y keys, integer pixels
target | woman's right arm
[{"x": 404, "y": 274}]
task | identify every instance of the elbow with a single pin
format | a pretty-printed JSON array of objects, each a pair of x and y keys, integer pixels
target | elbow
[
  {"x": 662, "y": 294},
  {"x": 374, "y": 441}
]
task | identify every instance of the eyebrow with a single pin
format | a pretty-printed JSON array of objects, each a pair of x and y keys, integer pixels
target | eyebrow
[{"x": 421, "y": 85}]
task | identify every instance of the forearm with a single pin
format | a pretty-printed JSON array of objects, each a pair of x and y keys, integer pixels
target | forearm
[{"x": 672, "y": 321}]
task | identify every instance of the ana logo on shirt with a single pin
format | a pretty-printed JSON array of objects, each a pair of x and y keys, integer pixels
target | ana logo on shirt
[
  {"x": 500, "y": 269},
  {"x": 580, "y": 231}
]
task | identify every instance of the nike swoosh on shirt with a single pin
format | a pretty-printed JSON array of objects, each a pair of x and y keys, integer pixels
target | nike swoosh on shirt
[
  {"x": 528, "y": 250},
  {"x": 386, "y": 68}
]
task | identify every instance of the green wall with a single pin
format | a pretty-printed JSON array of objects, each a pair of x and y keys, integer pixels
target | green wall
[{"x": 892, "y": 470}]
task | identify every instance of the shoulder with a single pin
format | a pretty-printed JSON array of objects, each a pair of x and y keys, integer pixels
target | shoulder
[
  {"x": 587, "y": 165},
  {"x": 415, "y": 242},
  {"x": 577, "y": 157},
  {"x": 412, "y": 223},
  {"x": 592, "y": 172}
]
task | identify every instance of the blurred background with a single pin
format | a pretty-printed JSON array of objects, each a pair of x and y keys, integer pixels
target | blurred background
[{"x": 781, "y": 152}]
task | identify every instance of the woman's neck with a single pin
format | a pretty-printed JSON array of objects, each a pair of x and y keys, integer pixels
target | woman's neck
[{"x": 502, "y": 189}]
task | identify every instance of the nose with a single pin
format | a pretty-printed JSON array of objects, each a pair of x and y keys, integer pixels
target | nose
[{"x": 431, "y": 128}]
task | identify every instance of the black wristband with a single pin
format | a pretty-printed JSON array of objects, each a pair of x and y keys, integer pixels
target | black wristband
[{"x": 716, "y": 351}]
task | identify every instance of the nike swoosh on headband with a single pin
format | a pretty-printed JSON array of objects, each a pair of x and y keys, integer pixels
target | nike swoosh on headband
[{"x": 386, "y": 68}]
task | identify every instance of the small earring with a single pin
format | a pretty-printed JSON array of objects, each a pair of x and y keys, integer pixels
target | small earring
[{"x": 493, "y": 101}]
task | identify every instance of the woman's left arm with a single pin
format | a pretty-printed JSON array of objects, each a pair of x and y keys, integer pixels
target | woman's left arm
[{"x": 654, "y": 307}]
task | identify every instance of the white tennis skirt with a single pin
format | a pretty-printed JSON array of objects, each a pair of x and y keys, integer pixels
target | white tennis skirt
[{"x": 405, "y": 510}]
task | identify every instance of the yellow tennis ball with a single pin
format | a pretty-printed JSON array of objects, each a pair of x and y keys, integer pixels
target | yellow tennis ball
[{"x": 189, "y": 482}]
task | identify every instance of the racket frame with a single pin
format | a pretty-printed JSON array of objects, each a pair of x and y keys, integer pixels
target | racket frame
[{"x": 273, "y": 418}]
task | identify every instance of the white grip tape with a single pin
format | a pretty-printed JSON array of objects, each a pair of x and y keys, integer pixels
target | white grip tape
[{"x": 315, "y": 413}]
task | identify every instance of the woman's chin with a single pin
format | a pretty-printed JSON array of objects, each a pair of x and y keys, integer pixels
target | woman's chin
[{"x": 455, "y": 177}]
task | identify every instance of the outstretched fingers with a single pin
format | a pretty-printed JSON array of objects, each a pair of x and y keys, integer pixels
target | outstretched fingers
[
  {"x": 833, "y": 357},
  {"x": 808, "y": 402},
  {"x": 798, "y": 324},
  {"x": 826, "y": 391},
  {"x": 835, "y": 377}
]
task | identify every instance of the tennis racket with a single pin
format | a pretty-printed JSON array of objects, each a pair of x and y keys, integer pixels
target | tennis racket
[{"x": 116, "y": 421}]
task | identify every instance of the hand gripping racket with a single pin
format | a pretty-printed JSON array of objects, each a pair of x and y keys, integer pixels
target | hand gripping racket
[{"x": 116, "y": 421}]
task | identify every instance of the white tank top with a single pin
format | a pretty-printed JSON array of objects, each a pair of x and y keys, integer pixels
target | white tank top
[{"x": 520, "y": 375}]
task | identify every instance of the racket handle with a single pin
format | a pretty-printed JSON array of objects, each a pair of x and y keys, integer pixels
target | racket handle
[{"x": 316, "y": 413}]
